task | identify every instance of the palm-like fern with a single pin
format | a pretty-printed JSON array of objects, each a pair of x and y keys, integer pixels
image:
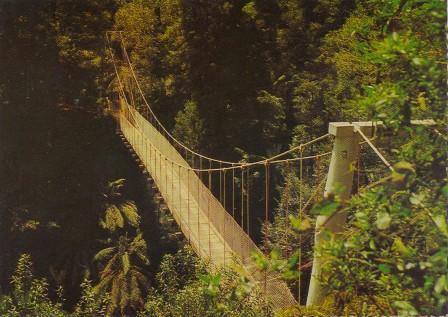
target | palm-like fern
[
  {"x": 118, "y": 211},
  {"x": 120, "y": 277}
]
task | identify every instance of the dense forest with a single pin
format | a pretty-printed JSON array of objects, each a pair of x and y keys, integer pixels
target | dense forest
[{"x": 82, "y": 233}]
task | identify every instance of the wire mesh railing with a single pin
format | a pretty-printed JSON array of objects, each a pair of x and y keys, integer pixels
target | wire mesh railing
[{"x": 209, "y": 228}]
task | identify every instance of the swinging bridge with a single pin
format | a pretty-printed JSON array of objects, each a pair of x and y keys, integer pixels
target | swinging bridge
[{"x": 211, "y": 200}]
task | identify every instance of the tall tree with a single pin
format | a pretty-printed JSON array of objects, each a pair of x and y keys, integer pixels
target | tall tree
[{"x": 79, "y": 28}]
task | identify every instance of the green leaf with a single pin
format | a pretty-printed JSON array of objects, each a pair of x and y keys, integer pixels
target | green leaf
[
  {"x": 405, "y": 308},
  {"x": 401, "y": 170},
  {"x": 113, "y": 218},
  {"x": 221, "y": 307},
  {"x": 290, "y": 274},
  {"x": 441, "y": 284},
  {"x": 404, "y": 166},
  {"x": 300, "y": 224},
  {"x": 293, "y": 260},
  {"x": 417, "y": 61},
  {"x": 325, "y": 208},
  {"x": 399, "y": 246},
  {"x": 417, "y": 199},
  {"x": 260, "y": 260},
  {"x": 216, "y": 279},
  {"x": 445, "y": 191},
  {"x": 384, "y": 268},
  {"x": 383, "y": 220},
  {"x": 405, "y": 212},
  {"x": 398, "y": 177},
  {"x": 275, "y": 254},
  {"x": 244, "y": 288},
  {"x": 440, "y": 222},
  {"x": 204, "y": 278},
  {"x": 250, "y": 9}
]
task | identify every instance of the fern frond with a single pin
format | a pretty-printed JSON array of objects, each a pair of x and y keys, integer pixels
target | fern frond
[
  {"x": 115, "y": 291},
  {"x": 104, "y": 254},
  {"x": 136, "y": 296},
  {"x": 138, "y": 243},
  {"x": 130, "y": 211},
  {"x": 116, "y": 184},
  {"x": 142, "y": 279},
  {"x": 103, "y": 285},
  {"x": 139, "y": 248},
  {"x": 108, "y": 270},
  {"x": 124, "y": 294},
  {"x": 126, "y": 263},
  {"x": 113, "y": 218}
]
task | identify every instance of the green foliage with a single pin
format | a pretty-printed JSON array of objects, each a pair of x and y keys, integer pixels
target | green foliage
[
  {"x": 272, "y": 117},
  {"x": 185, "y": 289},
  {"x": 287, "y": 267},
  {"x": 178, "y": 270},
  {"x": 250, "y": 9},
  {"x": 255, "y": 76},
  {"x": 391, "y": 258},
  {"x": 118, "y": 211},
  {"x": 122, "y": 284},
  {"x": 78, "y": 28},
  {"x": 156, "y": 40},
  {"x": 29, "y": 295},
  {"x": 282, "y": 233},
  {"x": 400, "y": 257},
  {"x": 402, "y": 248},
  {"x": 189, "y": 127},
  {"x": 89, "y": 304},
  {"x": 326, "y": 207},
  {"x": 121, "y": 276}
]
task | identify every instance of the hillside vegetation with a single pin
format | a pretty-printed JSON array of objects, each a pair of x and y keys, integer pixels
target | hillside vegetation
[{"x": 80, "y": 234}]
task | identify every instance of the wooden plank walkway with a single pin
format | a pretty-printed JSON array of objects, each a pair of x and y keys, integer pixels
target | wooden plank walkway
[{"x": 211, "y": 231}]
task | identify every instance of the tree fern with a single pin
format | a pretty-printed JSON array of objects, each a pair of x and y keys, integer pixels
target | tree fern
[
  {"x": 121, "y": 275},
  {"x": 118, "y": 212}
]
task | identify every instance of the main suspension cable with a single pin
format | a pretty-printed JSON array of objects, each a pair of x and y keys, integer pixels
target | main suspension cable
[{"x": 168, "y": 134}]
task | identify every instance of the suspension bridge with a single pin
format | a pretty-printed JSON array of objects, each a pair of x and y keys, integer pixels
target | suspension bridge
[{"x": 211, "y": 199}]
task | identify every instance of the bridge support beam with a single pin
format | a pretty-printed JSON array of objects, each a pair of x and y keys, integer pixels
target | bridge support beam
[{"x": 339, "y": 180}]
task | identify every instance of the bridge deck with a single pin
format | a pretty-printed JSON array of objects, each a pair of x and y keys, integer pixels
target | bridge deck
[{"x": 211, "y": 231}]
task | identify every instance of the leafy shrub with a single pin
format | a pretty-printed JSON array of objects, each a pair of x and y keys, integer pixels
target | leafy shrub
[
  {"x": 185, "y": 289},
  {"x": 29, "y": 295}
]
